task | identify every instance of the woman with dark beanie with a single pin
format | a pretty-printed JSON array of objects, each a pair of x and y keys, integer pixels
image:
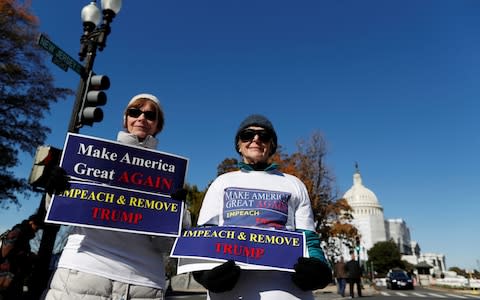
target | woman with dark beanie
[{"x": 256, "y": 142}]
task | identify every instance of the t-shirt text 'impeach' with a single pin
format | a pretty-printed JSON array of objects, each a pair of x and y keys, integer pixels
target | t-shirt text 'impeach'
[{"x": 250, "y": 207}]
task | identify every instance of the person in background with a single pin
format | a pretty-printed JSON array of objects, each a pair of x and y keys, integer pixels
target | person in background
[
  {"x": 256, "y": 142},
  {"x": 341, "y": 276},
  {"x": 104, "y": 264},
  {"x": 412, "y": 276},
  {"x": 17, "y": 261},
  {"x": 354, "y": 273}
]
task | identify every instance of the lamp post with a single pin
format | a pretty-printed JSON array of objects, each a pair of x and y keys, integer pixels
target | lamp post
[
  {"x": 94, "y": 37},
  {"x": 357, "y": 247}
]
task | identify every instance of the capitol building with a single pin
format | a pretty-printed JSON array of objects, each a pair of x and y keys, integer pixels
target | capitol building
[{"x": 369, "y": 219}]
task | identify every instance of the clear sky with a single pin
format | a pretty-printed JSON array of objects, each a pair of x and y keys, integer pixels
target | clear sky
[{"x": 392, "y": 85}]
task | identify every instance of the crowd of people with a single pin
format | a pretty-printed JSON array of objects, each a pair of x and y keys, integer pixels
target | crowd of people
[{"x": 106, "y": 264}]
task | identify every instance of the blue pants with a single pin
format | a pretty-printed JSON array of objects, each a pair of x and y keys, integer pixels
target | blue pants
[{"x": 341, "y": 283}]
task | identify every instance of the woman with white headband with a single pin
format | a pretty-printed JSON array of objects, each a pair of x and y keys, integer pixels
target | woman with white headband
[{"x": 104, "y": 264}]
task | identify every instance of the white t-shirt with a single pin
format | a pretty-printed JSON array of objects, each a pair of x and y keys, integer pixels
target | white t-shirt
[
  {"x": 264, "y": 200},
  {"x": 126, "y": 257}
]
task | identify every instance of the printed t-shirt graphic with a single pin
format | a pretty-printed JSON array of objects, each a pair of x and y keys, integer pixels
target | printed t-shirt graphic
[{"x": 251, "y": 207}]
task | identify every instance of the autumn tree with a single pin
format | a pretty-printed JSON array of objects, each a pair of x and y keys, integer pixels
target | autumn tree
[
  {"x": 227, "y": 165},
  {"x": 338, "y": 227},
  {"x": 332, "y": 215},
  {"x": 26, "y": 94}
]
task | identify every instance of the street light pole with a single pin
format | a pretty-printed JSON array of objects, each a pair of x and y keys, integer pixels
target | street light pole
[
  {"x": 94, "y": 37},
  {"x": 79, "y": 98}
]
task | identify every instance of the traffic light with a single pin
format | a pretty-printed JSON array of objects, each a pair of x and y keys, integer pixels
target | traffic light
[
  {"x": 357, "y": 243},
  {"x": 46, "y": 158},
  {"x": 93, "y": 96}
]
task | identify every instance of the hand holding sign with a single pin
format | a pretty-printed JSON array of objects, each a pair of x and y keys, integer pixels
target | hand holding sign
[
  {"x": 180, "y": 194},
  {"x": 219, "y": 279},
  {"x": 311, "y": 274},
  {"x": 57, "y": 181}
]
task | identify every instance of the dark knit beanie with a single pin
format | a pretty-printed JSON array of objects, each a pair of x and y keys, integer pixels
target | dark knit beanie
[{"x": 260, "y": 121}]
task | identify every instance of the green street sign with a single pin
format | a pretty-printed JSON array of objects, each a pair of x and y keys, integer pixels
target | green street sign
[
  {"x": 60, "y": 57},
  {"x": 60, "y": 63}
]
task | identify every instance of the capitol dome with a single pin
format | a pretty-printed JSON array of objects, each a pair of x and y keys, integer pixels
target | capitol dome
[
  {"x": 359, "y": 195},
  {"x": 367, "y": 213}
]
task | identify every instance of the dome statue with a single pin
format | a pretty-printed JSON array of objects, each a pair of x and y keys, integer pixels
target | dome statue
[
  {"x": 359, "y": 195},
  {"x": 367, "y": 213}
]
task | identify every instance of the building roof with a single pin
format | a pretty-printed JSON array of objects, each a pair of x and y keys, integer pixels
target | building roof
[
  {"x": 358, "y": 195},
  {"x": 423, "y": 264}
]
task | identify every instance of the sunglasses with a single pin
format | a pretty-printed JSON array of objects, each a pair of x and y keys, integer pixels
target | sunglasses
[
  {"x": 135, "y": 113},
  {"x": 249, "y": 134}
]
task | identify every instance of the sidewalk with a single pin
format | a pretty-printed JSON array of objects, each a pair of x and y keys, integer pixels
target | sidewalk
[
  {"x": 185, "y": 283},
  {"x": 473, "y": 292},
  {"x": 367, "y": 291}
]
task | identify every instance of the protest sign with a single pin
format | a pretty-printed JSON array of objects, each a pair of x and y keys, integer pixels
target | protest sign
[
  {"x": 100, "y": 206},
  {"x": 251, "y": 248},
  {"x": 119, "y": 187},
  {"x": 122, "y": 165}
]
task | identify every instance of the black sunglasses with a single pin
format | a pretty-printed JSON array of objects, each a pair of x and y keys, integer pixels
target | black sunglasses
[
  {"x": 136, "y": 112},
  {"x": 249, "y": 134}
]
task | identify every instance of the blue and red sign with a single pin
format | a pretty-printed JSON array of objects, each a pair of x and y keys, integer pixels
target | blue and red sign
[
  {"x": 119, "y": 187},
  {"x": 121, "y": 165},
  {"x": 248, "y": 247}
]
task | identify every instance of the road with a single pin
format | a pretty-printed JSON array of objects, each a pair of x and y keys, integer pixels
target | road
[
  {"x": 424, "y": 293},
  {"x": 330, "y": 294}
]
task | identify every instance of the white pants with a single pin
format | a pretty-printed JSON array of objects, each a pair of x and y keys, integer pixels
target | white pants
[{"x": 75, "y": 285}]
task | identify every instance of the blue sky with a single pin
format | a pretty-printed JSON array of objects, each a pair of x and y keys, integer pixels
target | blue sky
[{"x": 392, "y": 85}]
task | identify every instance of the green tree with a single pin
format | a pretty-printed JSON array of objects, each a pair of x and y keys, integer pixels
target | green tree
[
  {"x": 26, "y": 94},
  {"x": 194, "y": 200},
  {"x": 385, "y": 256}
]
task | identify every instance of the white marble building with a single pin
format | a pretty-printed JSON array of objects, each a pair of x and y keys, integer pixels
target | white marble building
[
  {"x": 397, "y": 230},
  {"x": 367, "y": 213},
  {"x": 369, "y": 219}
]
